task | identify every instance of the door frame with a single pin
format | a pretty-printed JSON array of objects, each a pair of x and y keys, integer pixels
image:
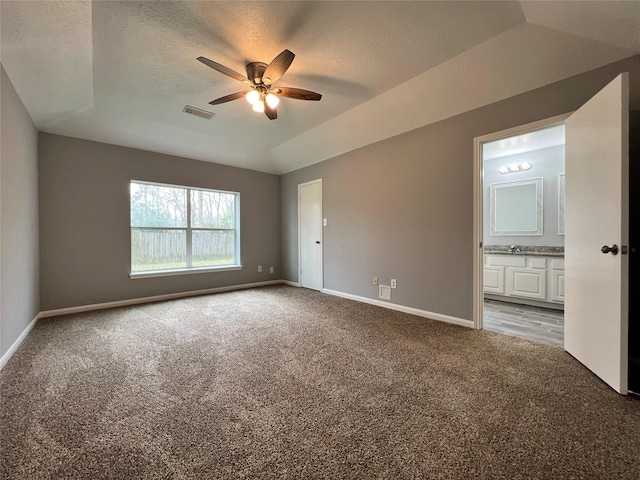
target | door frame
[
  {"x": 478, "y": 204},
  {"x": 300, "y": 186}
]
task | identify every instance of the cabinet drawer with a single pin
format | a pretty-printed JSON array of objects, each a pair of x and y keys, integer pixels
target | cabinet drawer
[
  {"x": 505, "y": 261},
  {"x": 538, "y": 263}
]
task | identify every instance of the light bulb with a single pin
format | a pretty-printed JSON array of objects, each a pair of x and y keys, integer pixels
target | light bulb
[
  {"x": 272, "y": 100},
  {"x": 253, "y": 97},
  {"x": 525, "y": 166},
  {"x": 504, "y": 169},
  {"x": 258, "y": 107}
]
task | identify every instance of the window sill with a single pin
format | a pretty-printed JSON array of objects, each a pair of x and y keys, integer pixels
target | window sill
[{"x": 182, "y": 271}]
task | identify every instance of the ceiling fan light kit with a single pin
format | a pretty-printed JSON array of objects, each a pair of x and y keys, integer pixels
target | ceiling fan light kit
[
  {"x": 272, "y": 100},
  {"x": 263, "y": 96},
  {"x": 253, "y": 97}
]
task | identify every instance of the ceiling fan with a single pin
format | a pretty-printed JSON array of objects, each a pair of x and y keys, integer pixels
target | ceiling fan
[{"x": 263, "y": 96}]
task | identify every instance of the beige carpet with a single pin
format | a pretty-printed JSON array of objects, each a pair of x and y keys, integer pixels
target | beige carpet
[{"x": 286, "y": 383}]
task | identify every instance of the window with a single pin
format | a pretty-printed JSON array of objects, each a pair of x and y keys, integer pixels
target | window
[{"x": 178, "y": 229}]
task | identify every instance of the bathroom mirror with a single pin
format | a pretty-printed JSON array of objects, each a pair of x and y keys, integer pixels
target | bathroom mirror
[{"x": 516, "y": 208}]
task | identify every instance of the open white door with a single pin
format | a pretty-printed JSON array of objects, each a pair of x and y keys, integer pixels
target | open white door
[
  {"x": 596, "y": 219},
  {"x": 310, "y": 234}
]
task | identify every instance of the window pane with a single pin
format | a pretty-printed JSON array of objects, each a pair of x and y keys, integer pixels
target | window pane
[
  {"x": 157, "y": 206},
  {"x": 158, "y": 249},
  {"x": 216, "y": 247},
  {"x": 212, "y": 209}
]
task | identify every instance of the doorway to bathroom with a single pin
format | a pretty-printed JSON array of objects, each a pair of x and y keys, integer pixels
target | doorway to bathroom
[
  {"x": 597, "y": 322},
  {"x": 523, "y": 232}
]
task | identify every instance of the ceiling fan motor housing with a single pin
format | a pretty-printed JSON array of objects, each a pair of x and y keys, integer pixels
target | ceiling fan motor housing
[{"x": 255, "y": 70}]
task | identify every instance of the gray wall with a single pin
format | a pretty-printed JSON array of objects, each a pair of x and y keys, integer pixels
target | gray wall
[
  {"x": 403, "y": 208},
  {"x": 19, "y": 301},
  {"x": 547, "y": 164},
  {"x": 84, "y": 221}
]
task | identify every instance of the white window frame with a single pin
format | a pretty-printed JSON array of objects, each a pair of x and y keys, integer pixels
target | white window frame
[{"x": 189, "y": 269}]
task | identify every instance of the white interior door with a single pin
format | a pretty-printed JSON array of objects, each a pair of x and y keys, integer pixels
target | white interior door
[
  {"x": 596, "y": 215},
  {"x": 310, "y": 234}
]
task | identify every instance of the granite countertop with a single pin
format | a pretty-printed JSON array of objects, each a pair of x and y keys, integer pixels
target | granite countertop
[{"x": 529, "y": 251}]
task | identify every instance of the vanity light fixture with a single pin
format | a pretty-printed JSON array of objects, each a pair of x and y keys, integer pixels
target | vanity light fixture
[{"x": 515, "y": 167}]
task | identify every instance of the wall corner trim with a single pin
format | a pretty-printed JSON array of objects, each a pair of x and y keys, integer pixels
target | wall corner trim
[
  {"x": 5, "y": 358},
  {"x": 402, "y": 308}
]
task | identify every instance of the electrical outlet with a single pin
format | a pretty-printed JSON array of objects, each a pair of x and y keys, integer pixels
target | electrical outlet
[
  {"x": 271, "y": 269},
  {"x": 259, "y": 268},
  {"x": 393, "y": 283},
  {"x": 375, "y": 280}
]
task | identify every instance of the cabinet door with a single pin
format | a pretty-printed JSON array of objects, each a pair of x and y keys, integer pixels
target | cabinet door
[
  {"x": 493, "y": 279},
  {"x": 527, "y": 283},
  {"x": 557, "y": 285}
]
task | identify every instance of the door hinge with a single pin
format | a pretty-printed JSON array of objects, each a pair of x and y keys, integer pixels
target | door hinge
[
  {"x": 624, "y": 250},
  {"x": 480, "y": 244}
]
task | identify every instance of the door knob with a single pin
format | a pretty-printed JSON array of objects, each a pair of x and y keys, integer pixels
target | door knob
[{"x": 613, "y": 249}]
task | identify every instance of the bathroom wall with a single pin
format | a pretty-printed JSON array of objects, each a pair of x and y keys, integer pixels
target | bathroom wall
[{"x": 547, "y": 164}]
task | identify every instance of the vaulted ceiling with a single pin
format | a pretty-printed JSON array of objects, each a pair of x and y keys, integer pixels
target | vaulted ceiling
[{"x": 121, "y": 72}]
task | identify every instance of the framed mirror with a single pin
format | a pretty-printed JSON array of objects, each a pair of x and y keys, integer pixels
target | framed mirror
[{"x": 516, "y": 208}]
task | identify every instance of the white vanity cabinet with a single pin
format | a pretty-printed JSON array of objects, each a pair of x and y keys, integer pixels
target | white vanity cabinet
[{"x": 525, "y": 277}]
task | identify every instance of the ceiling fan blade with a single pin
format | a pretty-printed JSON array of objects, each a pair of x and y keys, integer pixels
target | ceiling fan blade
[
  {"x": 228, "y": 98},
  {"x": 226, "y": 70},
  {"x": 270, "y": 111},
  {"x": 277, "y": 67},
  {"x": 297, "y": 93}
]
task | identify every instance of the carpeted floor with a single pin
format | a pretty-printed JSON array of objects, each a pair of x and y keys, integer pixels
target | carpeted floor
[{"x": 287, "y": 383}]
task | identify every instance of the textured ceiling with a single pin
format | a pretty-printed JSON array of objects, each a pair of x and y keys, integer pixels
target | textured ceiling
[{"x": 121, "y": 72}]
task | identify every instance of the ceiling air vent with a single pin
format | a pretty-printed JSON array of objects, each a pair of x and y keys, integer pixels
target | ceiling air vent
[{"x": 198, "y": 112}]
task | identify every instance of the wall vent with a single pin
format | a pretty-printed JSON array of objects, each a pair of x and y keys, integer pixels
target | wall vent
[
  {"x": 384, "y": 292},
  {"x": 198, "y": 112}
]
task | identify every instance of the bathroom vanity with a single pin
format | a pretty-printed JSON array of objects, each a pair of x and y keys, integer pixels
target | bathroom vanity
[{"x": 530, "y": 275}]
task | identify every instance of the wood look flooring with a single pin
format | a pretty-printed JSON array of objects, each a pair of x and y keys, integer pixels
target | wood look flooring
[{"x": 543, "y": 325}]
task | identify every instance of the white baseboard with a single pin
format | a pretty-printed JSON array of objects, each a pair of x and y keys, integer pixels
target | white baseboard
[
  {"x": 155, "y": 298},
  {"x": 401, "y": 308},
  {"x": 5, "y": 358},
  {"x": 291, "y": 284}
]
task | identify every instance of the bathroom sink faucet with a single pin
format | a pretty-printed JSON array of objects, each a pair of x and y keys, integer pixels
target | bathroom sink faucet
[{"x": 513, "y": 249}]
